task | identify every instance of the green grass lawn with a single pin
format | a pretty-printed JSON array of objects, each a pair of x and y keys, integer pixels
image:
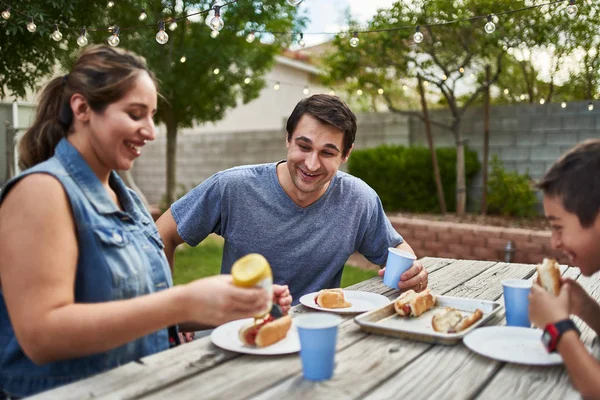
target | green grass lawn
[{"x": 205, "y": 260}]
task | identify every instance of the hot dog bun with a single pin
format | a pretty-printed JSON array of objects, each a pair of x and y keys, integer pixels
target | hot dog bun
[
  {"x": 549, "y": 275},
  {"x": 266, "y": 333},
  {"x": 411, "y": 303},
  {"x": 332, "y": 298},
  {"x": 450, "y": 320}
]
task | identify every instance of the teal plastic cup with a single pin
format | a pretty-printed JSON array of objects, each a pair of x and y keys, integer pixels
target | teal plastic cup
[
  {"x": 318, "y": 337},
  {"x": 398, "y": 262},
  {"x": 516, "y": 301}
]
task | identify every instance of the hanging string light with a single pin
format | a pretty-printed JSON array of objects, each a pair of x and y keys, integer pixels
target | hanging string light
[
  {"x": 162, "y": 37},
  {"x": 359, "y": 92},
  {"x": 461, "y": 70},
  {"x": 6, "y": 13},
  {"x": 183, "y": 59},
  {"x": 114, "y": 40},
  {"x": 214, "y": 34},
  {"x": 571, "y": 9},
  {"x": 542, "y": 101},
  {"x": 56, "y": 35},
  {"x": 143, "y": 15},
  {"x": 301, "y": 42},
  {"x": 247, "y": 80},
  {"x": 305, "y": 90},
  {"x": 216, "y": 71},
  {"x": 332, "y": 92},
  {"x": 444, "y": 77},
  {"x": 490, "y": 27},
  {"x": 173, "y": 25},
  {"x": 380, "y": 91},
  {"x": 216, "y": 22},
  {"x": 31, "y": 27},
  {"x": 82, "y": 39},
  {"x": 250, "y": 38},
  {"x": 590, "y": 106},
  {"x": 418, "y": 36},
  {"x": 354, "y": 40},
  {"x": 522, "y": 97},
  {"x": 110, "y": 4},
  {"x": 506, "y": 91},
  {"x": 276, "y": 86},
  {"x": 563, "y": 104}
]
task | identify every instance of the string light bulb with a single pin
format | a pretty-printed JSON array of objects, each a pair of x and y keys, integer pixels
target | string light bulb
[
  {"x": 461, "y": 70},
  {"x": 418, "y": 36},
  {"x": 571, "y": 9},
  {"x": 301, "y": 42},
  {"x": 110, "y": 4},
  {"x": 354, "y": 39},
  {"x": 563, "y": 104},
  {"x": 332, "y": 92},
  {"x": 305, "y": 90},
  {"x": 82, "y": 39},
  {"x": 542, "y": 101},
  {"x": 276, "y": 86},
  {"x": 183, "y": 59},
  {"x": 250, "y": 38},
  {"x": 216, "y": 71},
  {"x": 247, "y": 80},
  {"x": 56, "y": 35},
  {"x": 294, "y": 3},
  {"x": 522, "y": 97},
  {"x": 380, "y": 91},
  {"x": 444, "y": 77},
  {"x": 590, "y": 106},
  {"x": 359, "y": 92},
  {"x": 490, "y": 27},
  {"x": 6, "y": 13},
  {"x": 162, "y": 37},
  {"x": 173, "y": 25},
  {"x": 214, "y": 34},
  {"x": 216, "y": 23},
  {"x": 143, "y": 15},
  {"x": 506, "y": 91},
  {"x": 31, "y": 27},
  {"x": 114, "y": 40}
]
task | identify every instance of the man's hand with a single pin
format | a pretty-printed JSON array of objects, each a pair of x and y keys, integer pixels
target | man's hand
[
  {"x": 282, "y": 297},
  {"x": 416, "y": 277},
  {"x": 545, "y": 308}
]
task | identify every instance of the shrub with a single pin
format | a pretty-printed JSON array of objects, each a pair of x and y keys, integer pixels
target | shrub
[
  {"x": 403, "y": 176},
  {"x": 510, "y": 193}
]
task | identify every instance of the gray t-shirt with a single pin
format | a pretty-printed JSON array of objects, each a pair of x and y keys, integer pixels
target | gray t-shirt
[{"x": 306, "y": 247}]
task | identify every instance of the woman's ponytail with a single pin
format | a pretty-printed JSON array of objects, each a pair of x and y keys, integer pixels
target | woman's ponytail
[{"x": 50, "y": 125}]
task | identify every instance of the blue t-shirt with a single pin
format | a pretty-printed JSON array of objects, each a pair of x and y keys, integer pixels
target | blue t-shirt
[{"x": 306, "y": 246}]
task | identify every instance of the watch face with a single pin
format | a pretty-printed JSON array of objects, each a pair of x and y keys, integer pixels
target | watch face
[{"x": 546, "y": 339}]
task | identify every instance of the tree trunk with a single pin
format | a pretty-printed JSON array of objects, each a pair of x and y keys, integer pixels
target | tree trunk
[
  {"x": 171, "y": 161},
  {"x": 434, "y": 161},
  {"x": 461, "y": 187},
  {"x": 486, "y": 140}
]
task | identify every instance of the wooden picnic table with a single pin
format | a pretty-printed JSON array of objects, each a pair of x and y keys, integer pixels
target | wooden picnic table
[{"x": 367, "y": 366}]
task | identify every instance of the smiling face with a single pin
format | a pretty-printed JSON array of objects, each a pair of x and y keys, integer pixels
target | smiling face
[
  {"x": 314, "y": 155},
  {"x": 581, "y": 245},
  {"x": 117, "y": 135}
]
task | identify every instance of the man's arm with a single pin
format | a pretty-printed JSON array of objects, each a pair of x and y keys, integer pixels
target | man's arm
[{"x": 167, "y": 227}]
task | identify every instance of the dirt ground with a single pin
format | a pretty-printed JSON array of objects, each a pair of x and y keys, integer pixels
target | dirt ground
[{"x": 537, "y": 223}]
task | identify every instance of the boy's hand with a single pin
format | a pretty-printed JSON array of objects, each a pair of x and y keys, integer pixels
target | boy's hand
[{"x": 544, "y": 308}]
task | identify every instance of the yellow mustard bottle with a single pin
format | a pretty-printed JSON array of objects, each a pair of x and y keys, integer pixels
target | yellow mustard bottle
[{"x": 253, "y": 270}]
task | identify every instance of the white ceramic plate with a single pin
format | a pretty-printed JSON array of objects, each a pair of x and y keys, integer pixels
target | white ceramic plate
[
  {"x": 511, "y": 344},
  {"x": 227, "y": 337},
  {"x": 361, "y": 302}
]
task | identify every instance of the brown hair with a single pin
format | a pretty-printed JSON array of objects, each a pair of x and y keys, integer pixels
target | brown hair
[
  {"x": 575, "y": 180},
  {"x": 101, "y": 74},
  {"x": 329, "y": 110}
]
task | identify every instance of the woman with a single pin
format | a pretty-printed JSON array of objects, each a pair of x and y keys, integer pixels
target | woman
[{"x": 85, "y": 285}]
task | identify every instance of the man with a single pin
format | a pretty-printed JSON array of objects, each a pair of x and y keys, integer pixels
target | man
[
  {"x": 572, "y": 206},
  {"x": 303, "y": 214}
]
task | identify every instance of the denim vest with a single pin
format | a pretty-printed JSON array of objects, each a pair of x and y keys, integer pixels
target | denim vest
[{"x": 120, "y": 257}]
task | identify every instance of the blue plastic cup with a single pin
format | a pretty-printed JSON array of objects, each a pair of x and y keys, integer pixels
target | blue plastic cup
[
  {"x": 398, "y": 262},
  {"x": 516, "y": 302},
  {"x": 318, "y": 336}
]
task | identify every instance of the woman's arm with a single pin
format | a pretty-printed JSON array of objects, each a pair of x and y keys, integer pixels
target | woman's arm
[{"x": 37, "y": 271}]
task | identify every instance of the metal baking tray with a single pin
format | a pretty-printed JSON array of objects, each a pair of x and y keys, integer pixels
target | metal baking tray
[{"x": 385, "y": 320}]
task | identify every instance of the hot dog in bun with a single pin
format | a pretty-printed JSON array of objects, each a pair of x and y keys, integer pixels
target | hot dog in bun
[
  {"x": 549, "y": 275},
  {"x": 411, "y": 303},
  {"x": 265, "y": 333}
]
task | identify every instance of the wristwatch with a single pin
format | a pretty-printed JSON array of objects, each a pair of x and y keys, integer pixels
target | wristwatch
[{"x": 553, "y": 333}]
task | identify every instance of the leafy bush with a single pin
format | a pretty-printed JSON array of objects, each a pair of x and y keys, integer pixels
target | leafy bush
[
  {"x": 510, "y": 193},
  {"x": 403, "y": 176}
]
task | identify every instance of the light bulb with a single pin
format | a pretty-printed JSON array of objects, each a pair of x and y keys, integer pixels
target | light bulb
[
  {"x": 359, "y": 92},
  {"x": 276, "y": 86},
  {"x": 183, "y": 59},
  {"x": 591, "y": 106},
  {"x": 247, "y": 80},
  {"x": 522, "y": 97},
  {"x": 563, "y": 105},
  {"x": 380, "y": 91},
  {"x": 301, "y": 42},
  {"x": 214, "y": 34},
  {"x": 250, "y": 38},
  {"x": 332, "y": 92},
  {"x": 111, "y": 28},
  {"x": 6, "y": 13},
  {"x": 404, "y": 87},
  {"x": 572, "y": 9},
  {"x": 490, "y": 26},
  {"x": 461, "y": 70},
  {"x": 143, "y": 15},
  {"x": 444, "y": 77},
  {"x": 216, "y": 71},
  {"x": 162, "y": 37},
  {"x": 31, "y": 27},
  {"x": 542, "y": 101},
  {"x": 114, "y": 40},
  {"x": 426, "y": 83},
  {"x": 110, "y": 4},
  {"x": 354, "y": 40},
  {"x": 506, "y": 91},
  {"x": 56, "y": 35},
  {"x": 418, "y": 36},
  {"x": 216, "y": 23},
  {"x": 82, "y": 39},
  {"x": 173, "y": 25},
  {"x": 294, "y": 3},
  {"x": 305, "y": 91}
]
